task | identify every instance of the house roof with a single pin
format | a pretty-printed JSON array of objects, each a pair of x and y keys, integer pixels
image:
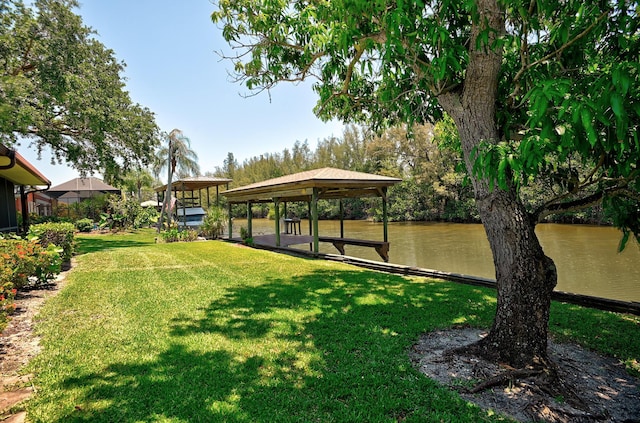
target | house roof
[
  {"x": 195, "y": 183},
  {"x": 81, "y": 187},
  {"x": 329, "y": 183},
  {"x": 19, "y": 170}
]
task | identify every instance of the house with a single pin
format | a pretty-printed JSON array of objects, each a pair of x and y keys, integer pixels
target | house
[
  {"x": 38, "y": 203},
  {"x": 78, "y": 189},
  {"x": 19, "y": 178}
]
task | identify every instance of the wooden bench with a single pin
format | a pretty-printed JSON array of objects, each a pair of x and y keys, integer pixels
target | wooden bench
[{"x": 382, "y": 247}]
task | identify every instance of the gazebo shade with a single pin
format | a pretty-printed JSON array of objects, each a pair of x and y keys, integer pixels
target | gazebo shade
[
  {"x": 331, "y": 183},
  {"x": 194, "y": 183},
  {"x": 79, "y": 188},
  {"x": 311, "y": 186}
]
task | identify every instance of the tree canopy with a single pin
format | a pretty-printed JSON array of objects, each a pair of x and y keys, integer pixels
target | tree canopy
[
  {"x": 545, "y": 89},
  {"x": 61, "y": 89},
  {"x": 433, "y": 186},
  {"x": 568, "y": 96}
]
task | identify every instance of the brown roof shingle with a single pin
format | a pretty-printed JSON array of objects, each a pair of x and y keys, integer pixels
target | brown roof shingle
[{"x": 333, "y": 183}]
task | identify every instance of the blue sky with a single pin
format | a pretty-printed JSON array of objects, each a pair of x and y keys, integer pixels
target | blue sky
[{"x": 170, "y": 48}]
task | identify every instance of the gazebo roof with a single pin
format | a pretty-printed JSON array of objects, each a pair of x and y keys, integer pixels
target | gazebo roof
[
  {"x": 195, "y": 183},
  {"x": 329, "y": 182},
  {"x": 81, "y": 188}
]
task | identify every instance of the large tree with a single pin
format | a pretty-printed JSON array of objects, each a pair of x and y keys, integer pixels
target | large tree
[
  {"x": 62, "y": 90},
  {"x": 537, "y": 89}
]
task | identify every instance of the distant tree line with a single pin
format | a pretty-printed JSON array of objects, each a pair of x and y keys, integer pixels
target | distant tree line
[{"x": 427, "y": 158}]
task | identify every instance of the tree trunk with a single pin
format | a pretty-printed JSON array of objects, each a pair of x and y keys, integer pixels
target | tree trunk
[
  {"x": 525, "y": 276},
  {"x": 166, "y": 204},
  {"x": 525, "y": 280},
  {"x": 167, "y": 197}
]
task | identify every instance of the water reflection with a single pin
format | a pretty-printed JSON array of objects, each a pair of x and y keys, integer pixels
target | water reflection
[{"x": 586, "y": 256}]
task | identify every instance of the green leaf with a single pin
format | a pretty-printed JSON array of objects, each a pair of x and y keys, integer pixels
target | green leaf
[
  {"x": 616, "y": 105},
  {"x": 623, "y": 241}
]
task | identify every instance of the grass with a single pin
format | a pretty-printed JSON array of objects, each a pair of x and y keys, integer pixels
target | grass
[{"x": 209, "y": 331}]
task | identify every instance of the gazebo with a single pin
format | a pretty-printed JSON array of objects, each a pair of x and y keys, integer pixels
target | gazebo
[
  {"x": 192, "y": 184},
  {"x": 311, "y": 186}
]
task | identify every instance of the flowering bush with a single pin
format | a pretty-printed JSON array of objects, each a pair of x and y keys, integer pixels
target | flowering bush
[
  {"x": 7, "y": 306},
  {"x": 24, "y": 263}
]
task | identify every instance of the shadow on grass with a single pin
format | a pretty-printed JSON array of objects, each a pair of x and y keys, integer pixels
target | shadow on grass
[{"x": 327, "y": 346}]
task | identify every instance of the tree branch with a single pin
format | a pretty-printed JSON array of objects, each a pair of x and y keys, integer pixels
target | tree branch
[
  {"x": 569, "y": 43},
  {"x": 360, "y": 49},
  {"x": 25, "y": 67},
  {"x": 556, "y": 206}
]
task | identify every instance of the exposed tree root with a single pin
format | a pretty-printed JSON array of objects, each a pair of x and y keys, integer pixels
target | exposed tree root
[
  {"x": 572, "y": 385},
  {"x": 542, "y": 378},
  {"x": 507, "y": 378}
]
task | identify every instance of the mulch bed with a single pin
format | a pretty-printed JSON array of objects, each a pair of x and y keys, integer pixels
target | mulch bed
[{"x": 607, "y": 393}]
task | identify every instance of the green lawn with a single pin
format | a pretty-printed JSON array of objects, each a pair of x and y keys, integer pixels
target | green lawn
[{"x": 209, "y": 331}]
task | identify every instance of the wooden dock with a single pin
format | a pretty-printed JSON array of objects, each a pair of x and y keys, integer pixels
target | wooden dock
[
  {"x": 268, "y": 242},
  {"x": 286, "y": 240}
]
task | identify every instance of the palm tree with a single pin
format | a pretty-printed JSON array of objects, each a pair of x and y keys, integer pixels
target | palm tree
[
  {"x": 136, "y": 179},
  {"x": 179, "y": 156}
]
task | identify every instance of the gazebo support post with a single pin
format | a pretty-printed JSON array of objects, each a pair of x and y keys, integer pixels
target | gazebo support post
[
  {"x": 385, "y": 222},
  {"x": 341, "y": 218},
  {"x": 230, "y": 222},
  {"x": 314, "y": 217},
  {"x": 184, "y": 209},
  {"x": 276, "y": 202},
  {"x": 310, "y": 224},
  {"x": 249, "y": 220}
]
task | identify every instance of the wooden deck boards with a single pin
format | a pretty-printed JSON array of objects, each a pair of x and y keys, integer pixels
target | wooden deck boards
[{"x": 269, "y": 240}]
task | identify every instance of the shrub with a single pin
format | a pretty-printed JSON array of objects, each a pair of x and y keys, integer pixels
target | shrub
[
  {"x": 17, "y": 263},
  {"x": 147, "y": 216},
  {"x": 244, "y": 235},
  {"x": 175, "y": 235},
  {"x": 122, "y": 214},
  {"x": 24, "y": 263},
  {"x": 189, "y": 235},
  {"x": 27, "y": 263},
  {"x": 7, "y": 295},
  {"x": 48, "y": 263},
  {"x": 213, "y": 223},
  {"x": 58, "y": 234},
  {"x": 170, "y": 235},
  {"x": 84, "y": 225}
]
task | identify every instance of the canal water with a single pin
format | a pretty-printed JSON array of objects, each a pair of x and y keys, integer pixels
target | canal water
[{"x": 586, "y": 256}]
